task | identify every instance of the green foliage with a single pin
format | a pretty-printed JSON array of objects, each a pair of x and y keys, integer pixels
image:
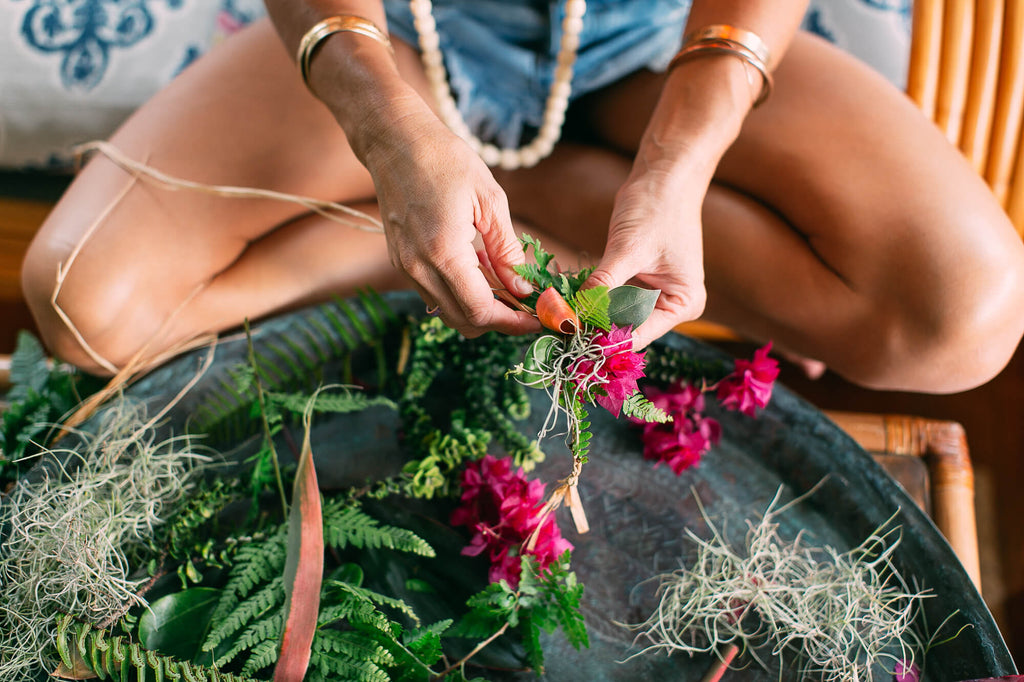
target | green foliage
[
  {"x": 85, "y": 649},
  {"x": 329, "y": 334},
  {"x": 630, "y": 306},
  {"x": 41, "y": 394},
  {"x": 667, "y": 365},
  {"x": 345, "y": 401},
  {"x": 591, "y": 305},
  {"x": 545, "y": 600},
  {"x": 439, "y": 444},
  {"x": 639, "y": 407},
  {"x": 345, "y": 523},
  {"x": 355, "y": 637},
  {"x": 541, "y": 275}
]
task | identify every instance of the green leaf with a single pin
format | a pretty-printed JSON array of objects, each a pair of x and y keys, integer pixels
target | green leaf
[
  {"x": 176, "y": 624},
  {"x": 29, "y": 368},
  {"x": 639, "y": 407},
  {"x": 631, "y": 306},
  {"x": 592, "y": 306}
]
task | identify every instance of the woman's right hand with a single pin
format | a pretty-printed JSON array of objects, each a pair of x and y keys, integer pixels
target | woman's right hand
[{"x": 436, "y": 196}]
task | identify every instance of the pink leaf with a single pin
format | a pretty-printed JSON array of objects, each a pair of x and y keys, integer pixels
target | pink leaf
[{"x": 304, "y": 567}]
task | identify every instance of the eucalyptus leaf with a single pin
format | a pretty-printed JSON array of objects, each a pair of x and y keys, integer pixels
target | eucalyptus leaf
[
  {"x": 175, "y": 624},
  {"x": 630, "y": 306}
]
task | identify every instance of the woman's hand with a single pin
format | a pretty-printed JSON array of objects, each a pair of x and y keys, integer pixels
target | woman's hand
[
  {"x": 654, "y": 240},
  {"x": 436, "y": 196}
]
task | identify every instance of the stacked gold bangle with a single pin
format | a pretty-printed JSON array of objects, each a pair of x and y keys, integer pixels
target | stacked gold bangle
[
  {"x": 726, "y": 39},
  {"x": 329, "y": 26}
]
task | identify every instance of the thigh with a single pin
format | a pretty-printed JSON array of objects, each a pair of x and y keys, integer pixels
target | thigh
[
  {"x": 238, "y": 116},
  {"x": 841, "y": 223}
]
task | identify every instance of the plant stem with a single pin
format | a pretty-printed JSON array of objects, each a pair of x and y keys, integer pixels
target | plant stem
[
  {"x": 462, "y": 661},
  {"x": 717, "y": 670},
  {"x": 267, "y": 436}
]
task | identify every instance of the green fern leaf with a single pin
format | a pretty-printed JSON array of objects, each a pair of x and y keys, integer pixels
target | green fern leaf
[
  {"x": 346, "y": 524},
  {"x": 592, "y": 306},
  {"x": 260, "y": 631},
  {"x": 265, "y": 600},
  {"x": 639, "y": 407},
  {"x": 263, "y": 655},
  {"x": 255, "y": 563},
  {"x": 342, "y": 402},
  {"x": 376, "y": 598}
]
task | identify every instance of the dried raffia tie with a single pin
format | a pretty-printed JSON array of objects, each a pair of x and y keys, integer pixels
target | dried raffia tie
[
  {"x": 567, "y": 489},
  {"x": 555, "y": 107}
]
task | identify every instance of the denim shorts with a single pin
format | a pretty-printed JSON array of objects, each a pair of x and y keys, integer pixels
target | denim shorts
[{"x": 501, "y": 54}]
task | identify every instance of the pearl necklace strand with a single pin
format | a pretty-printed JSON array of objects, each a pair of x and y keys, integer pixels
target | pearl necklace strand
[{"x": 554, "y": 110}]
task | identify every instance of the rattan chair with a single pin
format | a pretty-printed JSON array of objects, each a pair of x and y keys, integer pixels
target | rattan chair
[{"x": 966, "y": 73}]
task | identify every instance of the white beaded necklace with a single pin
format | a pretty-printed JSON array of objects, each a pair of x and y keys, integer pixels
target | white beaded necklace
[{"x": 554, "y": 110}]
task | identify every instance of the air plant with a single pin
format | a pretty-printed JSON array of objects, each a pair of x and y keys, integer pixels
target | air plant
[
  {"x": 840, "y": 614},
  {"x": 70, "y": 534}
]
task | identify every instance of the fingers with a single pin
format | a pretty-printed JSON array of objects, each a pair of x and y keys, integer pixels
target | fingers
[
  {"x": 465, "y": 303},
  {"x": 501, "y": 245}
]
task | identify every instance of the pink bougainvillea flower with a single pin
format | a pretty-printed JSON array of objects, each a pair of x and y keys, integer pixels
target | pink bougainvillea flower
[
  {"x": 906, "y": 672},
  {"x": 613, "y": 379},
  {"x": 502, "y": 508},
  {"x": 749, "y": 387},
  {"x": 682, "y": 442}
]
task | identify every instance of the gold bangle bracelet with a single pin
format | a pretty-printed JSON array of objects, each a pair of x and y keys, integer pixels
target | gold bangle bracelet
[
  {"x": 740, "y": 36},
  {"x": 329, "y": 26},
  {"x": 729, "y": 40}
]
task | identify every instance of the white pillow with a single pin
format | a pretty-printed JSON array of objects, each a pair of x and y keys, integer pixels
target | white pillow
[{"x": 73, "y": 70}]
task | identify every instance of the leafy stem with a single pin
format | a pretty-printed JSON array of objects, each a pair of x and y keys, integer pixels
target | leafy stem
[
  {"x": 477, "y": 649},
  {"x": 268, "y": 436}
]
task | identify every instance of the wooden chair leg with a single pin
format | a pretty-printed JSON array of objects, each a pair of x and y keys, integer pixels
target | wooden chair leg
[{"x": 943, "y": 447}]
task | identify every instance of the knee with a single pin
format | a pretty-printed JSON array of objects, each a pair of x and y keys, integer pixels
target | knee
[
  {"x": 86, "y": 314},
  {"x": 954, "y": 328}
]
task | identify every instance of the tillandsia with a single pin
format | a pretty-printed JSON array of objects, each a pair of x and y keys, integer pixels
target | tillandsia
[{"x": 837, "y": 615}]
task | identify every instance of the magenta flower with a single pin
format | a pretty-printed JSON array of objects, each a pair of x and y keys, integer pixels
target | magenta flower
[
  {"x": 750, "y": 385},
  {"x": 614, "y": 379},
  {"x": 905, "y": 672},
  {"x": 682, "y": 442},
  {"x": 503, "y": 510}
]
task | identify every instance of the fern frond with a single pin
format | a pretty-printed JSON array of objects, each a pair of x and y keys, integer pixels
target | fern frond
[
  {"x": 260, "y": 631},
  {"x": 268, "y": 598},
  {"x": 376, "y": 598},
  {"x": 639, "y": 407},
  {"x": 357, "y": 611},
  {"x": 592, "y": 306},
  {"x": 346, "y": 524},
  {"x": 255, "y": 563},
  {"x": 353, "y": 644},
  {"x": 264, "y": 654},
  {"x": 327, "y": 668},
  {"x": 342, "y": 402},
  {"x": 535, "y": 274}
]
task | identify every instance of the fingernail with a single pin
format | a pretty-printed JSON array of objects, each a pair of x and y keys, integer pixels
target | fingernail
[{"x": 522, "y": 286}]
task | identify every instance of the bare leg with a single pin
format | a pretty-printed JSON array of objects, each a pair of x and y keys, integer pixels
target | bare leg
[
  {"x": 841, "y": 225},
  {"x": 239, "y": 116}
]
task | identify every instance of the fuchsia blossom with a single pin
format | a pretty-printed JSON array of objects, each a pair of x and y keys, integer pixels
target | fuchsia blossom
[
  {"x": 503, "y": 509},
  {"x": 906, "y": 672},
  {"x": 681, "y": 442},
  {"x": 750, "y": 385},
  {"x": 614, "y": 379}
]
